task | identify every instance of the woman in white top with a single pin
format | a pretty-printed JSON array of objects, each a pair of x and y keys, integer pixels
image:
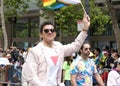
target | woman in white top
[{"x": 114, "y": 75}]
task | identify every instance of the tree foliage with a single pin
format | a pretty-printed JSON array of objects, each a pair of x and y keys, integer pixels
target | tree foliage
[
  {"x": 13, "y": 8},
  {"x": 10, "y": 9},
  {"x": 67, "y": 18},
  {"x": 115, "y": 24},
  {"x": 100, "y": 19}
]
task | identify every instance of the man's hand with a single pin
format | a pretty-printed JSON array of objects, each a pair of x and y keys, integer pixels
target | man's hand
[{"x": 86, "y": 21}]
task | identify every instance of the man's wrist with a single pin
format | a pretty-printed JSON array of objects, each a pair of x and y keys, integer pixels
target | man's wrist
[{"x": 85, "y": 30}]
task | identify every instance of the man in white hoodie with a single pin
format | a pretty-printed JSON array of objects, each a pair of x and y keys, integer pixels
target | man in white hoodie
[{"x": 44, "y": 61}]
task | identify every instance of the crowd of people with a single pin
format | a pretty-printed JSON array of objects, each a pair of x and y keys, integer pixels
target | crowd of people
[
  {"x": 11, "y": 62},
  {"x": 107, "y": 64},
  {"x": 106, "y": 61}
]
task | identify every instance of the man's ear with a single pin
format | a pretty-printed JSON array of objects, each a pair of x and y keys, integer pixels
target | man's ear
[
  {"x": 55, "y": 33},
  {"x": 80, "y": 50},
  {"x": 40, "y": 34}
]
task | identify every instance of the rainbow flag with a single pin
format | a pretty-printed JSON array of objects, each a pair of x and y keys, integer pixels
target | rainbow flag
[{"x": 56, "y": 4}]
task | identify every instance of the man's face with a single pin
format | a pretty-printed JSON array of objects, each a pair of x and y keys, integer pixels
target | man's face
[
  {"x": 48, "y": 34},
  {"x": 86, "y": 50},
  {"x": 115, "y": 56},
  {"x": 96, "y": 52}
]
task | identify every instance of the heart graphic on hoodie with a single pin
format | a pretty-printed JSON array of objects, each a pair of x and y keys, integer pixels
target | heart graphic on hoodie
[{"x": 54, "y": 59}]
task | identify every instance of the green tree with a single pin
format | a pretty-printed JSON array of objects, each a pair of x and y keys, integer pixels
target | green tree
[
  {"x": 14, "y": 8},
  {"x": 9, "y": 10},
  {"x": 67, "y": 17},
  {"x": 3, "y": 26},
  {"x": 100, "y": 19},
  {"x": 115, "y": 25}
]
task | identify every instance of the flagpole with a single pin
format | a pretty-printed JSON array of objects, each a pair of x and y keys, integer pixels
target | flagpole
[{"x": 82, "y": 6}]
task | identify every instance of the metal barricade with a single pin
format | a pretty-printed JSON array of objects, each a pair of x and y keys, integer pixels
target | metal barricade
[{"x": 9, "y": 76}]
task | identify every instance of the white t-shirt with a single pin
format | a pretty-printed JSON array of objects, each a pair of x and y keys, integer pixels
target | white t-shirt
[
  {"x": 54, "y": 65},
  {"x": 113, "y": 78},
  {"x": 118, "y": 82}
]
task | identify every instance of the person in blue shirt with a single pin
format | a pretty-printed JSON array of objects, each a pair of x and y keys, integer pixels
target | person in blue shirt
[{"x": 83, "y": 69}]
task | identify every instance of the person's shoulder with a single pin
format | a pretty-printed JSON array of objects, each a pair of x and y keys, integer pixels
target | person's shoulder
[
  {"x": 77, "y": 60},
  {"x": 113, "y": 72},
  {"x": 35, "y": 48},
  {"x": 113, "y": 75}
]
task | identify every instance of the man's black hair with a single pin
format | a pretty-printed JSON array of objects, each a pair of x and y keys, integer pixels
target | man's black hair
[
  {"x": 46, "y": 23},
  {"x": 98, "y": 49},
  {"x": 84, "y": 44},
  {"x": 106, "y": 47}
]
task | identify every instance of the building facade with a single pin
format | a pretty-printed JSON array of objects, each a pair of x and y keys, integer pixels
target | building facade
[
  {"x": 107, "y": 38},
  {"x": 23, "y": 32}
]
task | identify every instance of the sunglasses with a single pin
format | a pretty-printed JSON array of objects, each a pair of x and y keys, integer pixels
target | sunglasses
[
  {"x": 47, "y": 30},
  {"x": 87, "y": 49}
]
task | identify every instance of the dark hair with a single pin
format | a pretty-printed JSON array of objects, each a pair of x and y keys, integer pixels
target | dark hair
[
  {"x": 106, "y": 47},
  {"x": 68, "y": 59},
  {"x": 117, "y": 55},
  {"x": 45, "y": 23},
  {"x": 98, "y": 49},
  {"x": 115, "y": 64},
  {"x": 84, "y": 44}
]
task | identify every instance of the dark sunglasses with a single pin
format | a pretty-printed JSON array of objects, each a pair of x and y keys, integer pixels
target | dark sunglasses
[
  {"x": 87, "y": 49},
  {"x": 47, "y": 30}
]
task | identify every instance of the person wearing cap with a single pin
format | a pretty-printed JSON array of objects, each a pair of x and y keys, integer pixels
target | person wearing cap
[{"x": 114, "y": 75}]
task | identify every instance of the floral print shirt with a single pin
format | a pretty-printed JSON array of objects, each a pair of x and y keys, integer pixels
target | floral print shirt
[{"x": 84, "y": 70}]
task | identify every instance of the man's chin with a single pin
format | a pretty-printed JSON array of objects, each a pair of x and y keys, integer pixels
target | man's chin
[
  {"x": 87, "y": 55},
  {"x": 50, "y": 40}
]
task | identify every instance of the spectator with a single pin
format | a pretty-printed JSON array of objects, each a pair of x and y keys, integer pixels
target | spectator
[
  {"x": 66, "y": 71},
  {"x": 98, "y": 57},
  {"x": 109, "y": 61},
  {"x": 83, "y": 69},
  {"x": 114, "y": 75}
]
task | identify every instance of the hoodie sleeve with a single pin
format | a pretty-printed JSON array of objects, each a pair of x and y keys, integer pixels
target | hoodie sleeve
[
  {"x": 29, "y": 71},
  {"x": 69, "y": 49}
]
